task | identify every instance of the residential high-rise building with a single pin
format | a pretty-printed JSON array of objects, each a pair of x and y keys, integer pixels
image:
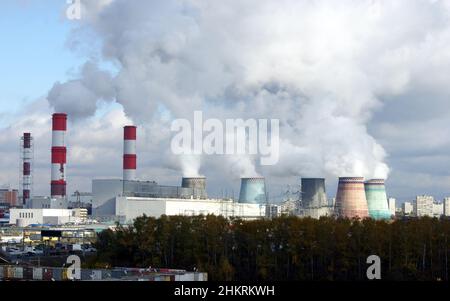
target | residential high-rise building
[
  {"x": 438, "y": 209},
  {"x": 447, "y": 206},
  {"x": 391, "y": 204},
  {"x": 424, "y": 206},
  {"x": 407, "y": 208},
  {"x": 10, "y": 197}
]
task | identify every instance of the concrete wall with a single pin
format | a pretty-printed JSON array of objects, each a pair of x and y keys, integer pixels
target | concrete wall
[{"x": 104, "y": 193}]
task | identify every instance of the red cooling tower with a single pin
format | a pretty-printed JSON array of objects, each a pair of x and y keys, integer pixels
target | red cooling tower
[
  {"x": 129, "y": 154},
  {"x": 351, "y": 198},
  {"x": 58, "y": 184}
]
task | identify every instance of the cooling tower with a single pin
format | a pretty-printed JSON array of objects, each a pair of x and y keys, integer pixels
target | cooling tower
[
  {"x": 313, "y": 193},
  {"x": 197, "y": 184},
  {"x": 253, "y": 190},
  {"x": 377, "y": 199},
  {"x": 351, "y": 198}
]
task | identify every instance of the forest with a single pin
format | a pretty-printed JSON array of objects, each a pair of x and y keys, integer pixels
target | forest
[{"x": 281, "y": 249}]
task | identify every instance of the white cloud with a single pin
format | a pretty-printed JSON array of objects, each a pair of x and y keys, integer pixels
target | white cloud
[{"x": 329, "y": 70}]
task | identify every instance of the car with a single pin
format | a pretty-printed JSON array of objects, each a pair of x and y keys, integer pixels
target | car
[
  {"x": 89, "y": 249},
  {"x": 15, "y": 252}
]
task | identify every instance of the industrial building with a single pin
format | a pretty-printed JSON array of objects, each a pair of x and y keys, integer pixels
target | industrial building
[
  {"x": 26, "y": 217},
  {"x": 129, "y": 208},
  {"x": 125, "y": 199},
  {"x": 447, "y": 206}
]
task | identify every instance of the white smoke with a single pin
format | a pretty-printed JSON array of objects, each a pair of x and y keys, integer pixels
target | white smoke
[{"x": 321, "y": 67}]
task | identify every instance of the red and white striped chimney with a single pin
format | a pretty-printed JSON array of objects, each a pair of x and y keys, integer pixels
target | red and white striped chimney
[
  {"x": 27, "y": 157},
  {"x": 59, "y": 151},
  {"x": 129, "y": 153}
]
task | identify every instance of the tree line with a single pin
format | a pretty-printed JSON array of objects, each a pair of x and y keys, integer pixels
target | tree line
[{"x": 284, "y": 248}]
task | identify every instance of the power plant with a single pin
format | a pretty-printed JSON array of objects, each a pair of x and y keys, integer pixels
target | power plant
[
  {"x": 253, "y": 191},
  {"x": 377, "y": 199},
  {"x": 126, "y": 198},
  {"x": 351, "y": 198}
]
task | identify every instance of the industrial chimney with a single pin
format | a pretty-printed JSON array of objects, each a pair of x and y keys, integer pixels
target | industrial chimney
[
  {"x": 351, "y": 198},
  {"x": 129, "y": 153},
  {"x": 313, "y": 193},
  {"x": 377, "y": 199},
  {"x": 253, "y": 190},
  {"x": 27, "y": 163},
  {"x": 59, "y": 151},
  {"x": 197, "y": 184}
]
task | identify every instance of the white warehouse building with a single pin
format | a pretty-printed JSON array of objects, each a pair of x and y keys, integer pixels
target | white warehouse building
[
  {"x": 129, "y": 208},
  {"x": 26, "y": 217},
  {"x": 109, "y": 201}
]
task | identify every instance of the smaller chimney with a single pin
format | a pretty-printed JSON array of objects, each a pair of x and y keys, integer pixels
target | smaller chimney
[
  {"x": 27, "y": 158},
  {"x": 129, "y": 153}
]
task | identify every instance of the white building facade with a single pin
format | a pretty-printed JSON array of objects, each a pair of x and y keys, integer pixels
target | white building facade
[
  {"x": 26, "y": 217},
  {"x": 391, "y": 205},
  {"x": 438, "y": 209},
  {"x": 447, "y": 206},
  {"x": 424, "y": 206},
  {"x": 407, "y": 208},
  {"x": 129, "y": 208}
]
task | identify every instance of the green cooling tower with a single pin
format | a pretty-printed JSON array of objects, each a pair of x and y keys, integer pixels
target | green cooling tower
[
  {"x": 253, "y": 191},
  {"x": 377, "y": 199}
]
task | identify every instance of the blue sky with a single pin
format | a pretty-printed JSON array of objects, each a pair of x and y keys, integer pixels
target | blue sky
[{"x": 33, "y": 52}]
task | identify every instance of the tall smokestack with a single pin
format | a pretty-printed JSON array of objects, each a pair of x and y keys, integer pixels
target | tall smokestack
[
  {"x": 377, "y": 199},
  {"x": 129, "y": 153},
  {"x": 253, "y": 190},
  {"x": 351, "y": 198},
  {"x": 59, "y": 151},
  {"x": 27, "y": 162}
]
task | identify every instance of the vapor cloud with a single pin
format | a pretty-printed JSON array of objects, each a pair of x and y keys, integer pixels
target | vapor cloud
[{"x": 327, "y": 69}]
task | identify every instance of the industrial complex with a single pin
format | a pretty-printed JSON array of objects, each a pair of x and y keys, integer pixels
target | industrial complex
[
  {"x": 123, "y": 200},
  {"x": 55, "y": 226}
]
